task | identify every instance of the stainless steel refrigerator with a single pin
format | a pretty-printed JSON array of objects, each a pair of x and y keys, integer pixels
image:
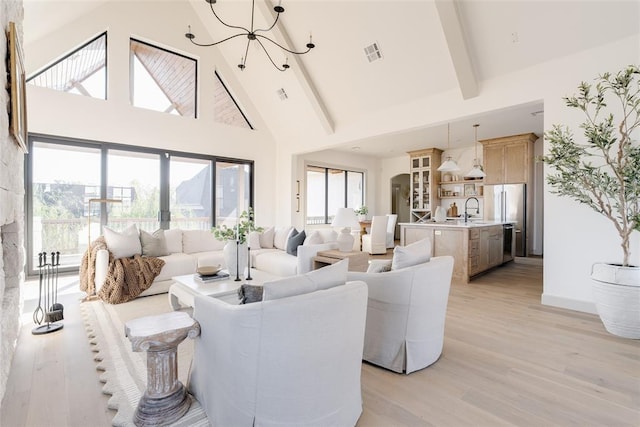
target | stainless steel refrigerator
[{"x": 508, "y": 202}]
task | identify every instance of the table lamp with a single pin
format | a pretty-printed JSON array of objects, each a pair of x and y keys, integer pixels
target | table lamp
[{"x": 345, "y": 217}]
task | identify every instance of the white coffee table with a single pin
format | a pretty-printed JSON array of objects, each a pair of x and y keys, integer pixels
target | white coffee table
[{"x": 185, "y": 288}]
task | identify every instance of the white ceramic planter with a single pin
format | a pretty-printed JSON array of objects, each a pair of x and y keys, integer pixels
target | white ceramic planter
[{"x": 616, "y": 292}]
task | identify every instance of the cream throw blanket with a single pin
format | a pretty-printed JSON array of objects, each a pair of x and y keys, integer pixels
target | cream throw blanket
[{"x": 126, "y": 277}]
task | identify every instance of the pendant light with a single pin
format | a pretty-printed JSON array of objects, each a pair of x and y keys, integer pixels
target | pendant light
[
  {"x": 449, "y": 165},
  {"x": 476, "y": 171}
]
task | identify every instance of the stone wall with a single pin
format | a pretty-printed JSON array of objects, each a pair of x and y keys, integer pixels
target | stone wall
[{"x": 11, "y": 209}]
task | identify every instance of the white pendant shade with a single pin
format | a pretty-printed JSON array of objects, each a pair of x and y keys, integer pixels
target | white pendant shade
[
  {"x": 449, "y": 165},
  {"x": 476, "y": 172}
]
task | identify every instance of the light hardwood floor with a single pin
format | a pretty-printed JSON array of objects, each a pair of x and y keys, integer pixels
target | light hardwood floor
[{"x": 507, "y": 360}]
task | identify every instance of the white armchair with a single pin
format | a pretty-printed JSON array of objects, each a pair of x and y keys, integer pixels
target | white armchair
[
  {"x": 289, "y": 361},
  {"x": 376, "y": 241},
  {"x": 391, "y": 230},
  {"x": 406, "y": 314}
]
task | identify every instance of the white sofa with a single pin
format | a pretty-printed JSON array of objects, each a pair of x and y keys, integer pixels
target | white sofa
[
  {"x": 294, "y": 360},
  {"x": 406, "y": 314},
  {"x": 269, "y": 254},
  {"x": 190, "y": 249}
]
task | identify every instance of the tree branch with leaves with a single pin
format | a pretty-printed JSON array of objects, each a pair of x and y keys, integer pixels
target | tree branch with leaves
[{"x": 603, "y": 171}]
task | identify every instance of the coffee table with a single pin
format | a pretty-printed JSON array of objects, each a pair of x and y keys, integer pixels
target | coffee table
[
  {"x": 185, "y": 288},
  {"x": 358, "y": 261}
]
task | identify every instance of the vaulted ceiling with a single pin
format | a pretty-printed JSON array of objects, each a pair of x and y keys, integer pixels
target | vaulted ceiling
[{"x": 429, "y": 49}]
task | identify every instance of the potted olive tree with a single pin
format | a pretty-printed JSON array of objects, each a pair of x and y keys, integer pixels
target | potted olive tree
[{"x": 602, "y": 171}]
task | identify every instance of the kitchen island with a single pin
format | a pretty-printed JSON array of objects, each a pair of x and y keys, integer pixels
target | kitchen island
[{"x": 476, "y": 246}]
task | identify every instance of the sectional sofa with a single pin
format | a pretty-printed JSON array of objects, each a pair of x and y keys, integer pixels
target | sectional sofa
[{"x": 183, "y": 251}]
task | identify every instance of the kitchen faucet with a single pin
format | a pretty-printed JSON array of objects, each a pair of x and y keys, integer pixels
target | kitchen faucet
[{"x": 466, "y": 215}]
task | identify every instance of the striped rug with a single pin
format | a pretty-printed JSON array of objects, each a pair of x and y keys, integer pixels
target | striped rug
[{"x": 124, "y": 373}]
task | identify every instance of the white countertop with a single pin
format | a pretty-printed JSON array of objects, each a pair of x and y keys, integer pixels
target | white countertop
[{"x": 456, "y": 223}]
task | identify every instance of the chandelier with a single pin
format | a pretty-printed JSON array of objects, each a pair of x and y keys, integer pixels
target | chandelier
[{"x": 252, "y": 34}]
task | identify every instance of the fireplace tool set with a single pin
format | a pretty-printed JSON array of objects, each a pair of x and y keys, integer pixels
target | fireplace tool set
[{"x": 48, "y": 310}]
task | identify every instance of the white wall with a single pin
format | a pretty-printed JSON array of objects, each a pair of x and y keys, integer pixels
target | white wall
[
  {"x": 115, "y": 120},
  {"x": 575, "y": 237}
]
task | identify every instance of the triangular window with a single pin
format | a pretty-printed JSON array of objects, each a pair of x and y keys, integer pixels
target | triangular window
[
  {"x": 83, "y": 71},
  {"x": 162, "y": 80},
  {"x": 226, "y": 109}
]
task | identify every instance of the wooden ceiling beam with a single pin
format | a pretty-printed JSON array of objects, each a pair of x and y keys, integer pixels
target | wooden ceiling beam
[{"x": 298, "y": 68}]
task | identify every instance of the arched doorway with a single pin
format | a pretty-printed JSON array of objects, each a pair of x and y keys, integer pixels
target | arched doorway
[{"x": 400, "y": 192}]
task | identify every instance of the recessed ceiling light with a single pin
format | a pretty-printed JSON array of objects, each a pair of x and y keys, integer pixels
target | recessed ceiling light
[{"x": 355, "y": 148}]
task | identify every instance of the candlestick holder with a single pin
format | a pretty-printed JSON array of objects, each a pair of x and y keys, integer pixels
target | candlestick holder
[
  {"x": 237, "y": 279},
  {"x": 249, "y": 264}
]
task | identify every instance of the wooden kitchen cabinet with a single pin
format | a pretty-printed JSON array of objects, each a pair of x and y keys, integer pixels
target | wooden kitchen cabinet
[
  {"x": 490, "y": 247},
  {"x": 424, "y": 182},
  {"x": 508, "y": 160},
  {"x": 475, "y": 249}
]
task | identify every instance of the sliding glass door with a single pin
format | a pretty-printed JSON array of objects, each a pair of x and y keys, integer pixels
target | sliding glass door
[
  {"x": 190, "y": 193},
  {"x": 63, "y": 180},
  {"x": 233, "y": 191},
  {"x": 74, "y": 188},
  {"x": 133, "y": 178}
]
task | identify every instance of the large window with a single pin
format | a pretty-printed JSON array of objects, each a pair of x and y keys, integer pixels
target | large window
[
  {"x": 190, "y": 193},
  {"x": 233, "y": 191},
  {"x": 83, "y": 71},
  {"x": 226, "y": 108},
  {"x": 152, "y": 189},
  {"x": 134, "y": 178},
  {"x": 162, "y": 80},
  {"x": 329, "y": 189}
]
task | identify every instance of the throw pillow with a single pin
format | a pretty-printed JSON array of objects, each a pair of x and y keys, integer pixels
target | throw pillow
[
  {"x": 295, "y": 240},
  {"x": 266, "y": 238},
  {"x": 123, "y": 244},
  {"x": 173, "y": 238},
  {"x": 331, "y": 275},
  {"x": 153, "y": 244},
  {"x": 416, "y": 253},
  {"x": 280, "y": 237},
  {"x": 315, "y": 238},
  {"x": 194, "y": 241},
  {"x": 323, "y": 278},
  {"x": 328, "y": 235},
  {"x": 379, "y": 266},
  {"x": 249, "y": 293},
  {"x": 253, "y": 240}
]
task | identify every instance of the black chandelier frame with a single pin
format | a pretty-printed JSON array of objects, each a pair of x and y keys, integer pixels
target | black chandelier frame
[{"x": 252, "y": 34}]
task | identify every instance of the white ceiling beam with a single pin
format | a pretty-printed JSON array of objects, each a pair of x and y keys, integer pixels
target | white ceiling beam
[
  {"x": 309, "y": 89},
  {"x": 452, "y": 28}
]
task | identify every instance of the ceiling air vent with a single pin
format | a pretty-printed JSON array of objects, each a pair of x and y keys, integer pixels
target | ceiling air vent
[
  {"x": 282, "y": 94},
  {"x": 372, "y": 52}
]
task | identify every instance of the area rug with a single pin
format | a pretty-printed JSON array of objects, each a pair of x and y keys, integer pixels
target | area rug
[{"x": 124, "y": 373}]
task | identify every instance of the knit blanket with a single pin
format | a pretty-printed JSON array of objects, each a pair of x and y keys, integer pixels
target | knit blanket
[{"x": 126, "y": 277}]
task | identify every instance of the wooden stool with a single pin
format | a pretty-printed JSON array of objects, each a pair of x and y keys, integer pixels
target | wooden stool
[{"x": 166, "y": 399}]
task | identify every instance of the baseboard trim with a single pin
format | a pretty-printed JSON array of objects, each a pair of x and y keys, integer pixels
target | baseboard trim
[
  {"x": 568, "y": 303},
  {"x": 528, "y": 260}
]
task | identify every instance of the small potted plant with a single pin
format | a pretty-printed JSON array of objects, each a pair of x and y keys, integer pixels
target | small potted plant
[
  {"x": 240, "y": 232},
  {"x": 362, "y": 212},
  {"x": 602, "y": 171}
]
